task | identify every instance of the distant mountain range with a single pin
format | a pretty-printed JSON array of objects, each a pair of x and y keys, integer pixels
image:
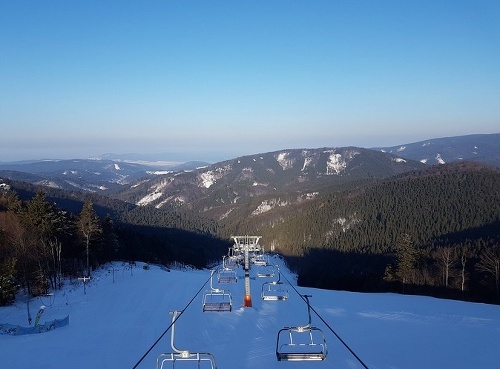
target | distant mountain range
[
  {"x": 336, "y": 213},
  {"x": 483, "y": 148},
  {"x": 94, "y": 175},
  {"x": 141, "y": 180},
  {"x": 277, "y": 178}
]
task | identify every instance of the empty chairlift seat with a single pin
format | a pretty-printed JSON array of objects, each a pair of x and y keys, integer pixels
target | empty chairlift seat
[
  {"x": 184, "y": 358},
  {"x": 216, "y": 299},
  {"x": 301, "y": 343},
  {"x": 259, "y": 258},
  {"x": 274, "y": 290},
  {"x": 265, "y": 271},
  {"x": 227, "y": 275}
]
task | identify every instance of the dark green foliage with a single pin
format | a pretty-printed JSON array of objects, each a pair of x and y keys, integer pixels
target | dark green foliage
[
  {"x": 48, "y": 243},
  {"x": 457, "y": 206},
  {"x": 426, "y": 206},
  {"x": 7, "y": 283},
  {"x": 369, "y": 234}
]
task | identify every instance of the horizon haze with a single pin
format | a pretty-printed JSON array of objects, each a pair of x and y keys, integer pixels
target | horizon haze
[{"x": 224, "y": 79}]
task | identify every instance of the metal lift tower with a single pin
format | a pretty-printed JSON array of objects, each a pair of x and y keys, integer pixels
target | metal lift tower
[{"x": 247, "y": 244}]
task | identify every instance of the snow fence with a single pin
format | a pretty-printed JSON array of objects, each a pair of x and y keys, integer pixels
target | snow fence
[{"x": 17, "y": 330}]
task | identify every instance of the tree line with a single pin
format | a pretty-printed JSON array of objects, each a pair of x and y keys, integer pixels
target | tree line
[
  {"x": 32, "y": 235},
  {"x": 41, "y": 244},
  {"x": 436, "y": 232}
]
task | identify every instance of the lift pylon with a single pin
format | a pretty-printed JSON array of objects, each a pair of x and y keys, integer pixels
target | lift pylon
[{"x": 247, "y": 244}]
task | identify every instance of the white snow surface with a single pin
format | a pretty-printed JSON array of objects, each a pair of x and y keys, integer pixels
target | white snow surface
[
  {"x": 439, "y": 159},
  {"x": 210, "y": 177},
  {"x": 156, "y": 193},
  {"x": 159, "y": 172},
  {"x": 267, "y": 205},
  {"x": 149, "y": 198},
  {"x": 336, "y": 164},
  {"x": 115, "y": 323},
  {"x": 284, "y": 161}
]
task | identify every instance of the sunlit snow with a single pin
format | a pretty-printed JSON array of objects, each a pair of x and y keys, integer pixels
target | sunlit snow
[
  {"x": 48, "y": 183},
  {"x": 156, "y": 192},
  {"x": 210, "y": 177},
  {"x": 267, "y": 205},
  {"x": 307, "y": 162},
  {"x": 207, "y": 179},
  {"x": 123, "y": 320},
  {"x": 139, "y": 183},
  {"x": 283, "y": 161},
  {"x": 439, "y": 159},
  {"x": 149, "y": 198},
  {"x": 159, "y": 172},
  {"x": 335, "y": 164}
]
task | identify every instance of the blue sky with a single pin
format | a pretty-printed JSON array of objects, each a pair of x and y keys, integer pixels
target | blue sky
[{"x": 219, "y": 79}]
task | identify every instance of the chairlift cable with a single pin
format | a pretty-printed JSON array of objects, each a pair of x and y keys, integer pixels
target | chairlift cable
[
  {"x": 171, "y": 324},
  {"x": 330, "y": 328}
]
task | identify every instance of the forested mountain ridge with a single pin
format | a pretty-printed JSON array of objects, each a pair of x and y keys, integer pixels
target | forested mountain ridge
[
  {"x": 346, "y": 238},
  {"x": 110, "y": 172},
  {"x": 430, "y": 205},
  {"x": 221, "y": 188},
  {"x": 435, "y": 231},
  {"x": 341, "y": 217},
  {"x": 482, "y": 148}
]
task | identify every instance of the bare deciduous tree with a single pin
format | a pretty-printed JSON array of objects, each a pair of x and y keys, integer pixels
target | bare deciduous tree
[
  {"x": 462, "y": 253},
  {"x": 489, "y": 262},
  {"x": 55, "y": 249},
  {"x": 446, "y": 259}
]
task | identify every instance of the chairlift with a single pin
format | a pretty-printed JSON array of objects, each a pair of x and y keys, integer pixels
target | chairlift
[
  {"x": 265, "y": 271},
  {"x": 230, "y": 262},
  {"x": 234, "y": 255},
  {"x": 227, "y": 275},
  {"x": 301, "y": 343},
  {"x": 275, "y": 290},
  {"x": 216, "y": 299},
  {"x": 198, "y": 360},
  {"x": 259, "y": 259}
]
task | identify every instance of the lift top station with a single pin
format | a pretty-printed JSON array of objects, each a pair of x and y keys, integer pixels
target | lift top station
[{"x": 245, "y": 245}]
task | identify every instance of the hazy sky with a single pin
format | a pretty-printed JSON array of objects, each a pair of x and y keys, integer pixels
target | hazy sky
[{"x": 220, "y": 79}]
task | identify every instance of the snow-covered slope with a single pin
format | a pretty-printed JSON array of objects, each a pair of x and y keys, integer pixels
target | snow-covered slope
[
  {"x": 92, "y": 175},
  {"x": 294, "y": 171},
  {"x": 483, "y": 148},
  {"x": 115, "y": 323}
]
